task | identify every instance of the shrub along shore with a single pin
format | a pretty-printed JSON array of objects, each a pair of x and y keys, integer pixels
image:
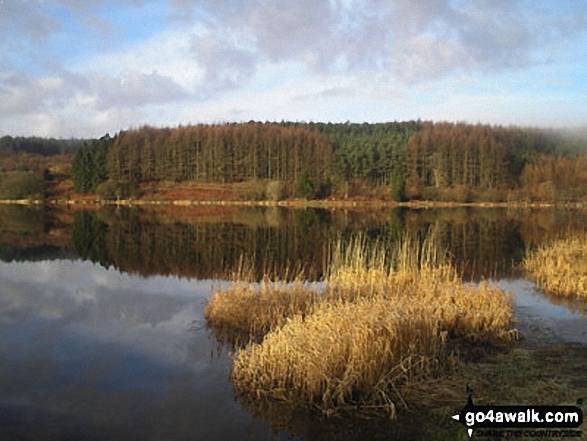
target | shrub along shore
[{"x": 380, "y": 322}]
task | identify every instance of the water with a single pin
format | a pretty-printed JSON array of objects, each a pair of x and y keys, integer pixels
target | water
[
  {"x": 102, "y": 334},
  {"x": 90, "y": 352}
]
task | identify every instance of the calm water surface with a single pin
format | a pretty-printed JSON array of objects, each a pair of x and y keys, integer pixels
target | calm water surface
[{"x": 102, "y": 334}]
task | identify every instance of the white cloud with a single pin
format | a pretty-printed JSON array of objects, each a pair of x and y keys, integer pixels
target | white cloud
[
  {"x": 26, "y": 18},
  {"x": 22, "y": 94},
  {"x": 167, "y": 53},
  {"x": 414, "y": 40},
  {"x": 104, "y": 305},
  {"x": 134, "y": 89},
  {"x": 244, "y": 57},
  {"x": 225, "y": 66}
]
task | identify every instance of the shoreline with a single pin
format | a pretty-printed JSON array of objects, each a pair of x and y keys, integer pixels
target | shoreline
[{"x": 298, "y": 203}]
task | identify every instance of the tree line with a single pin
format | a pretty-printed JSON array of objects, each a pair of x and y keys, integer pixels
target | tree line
[
  {"x": 463, "y": 162},
  {"x": 414, "y": 159},
  {"x": 209, "y": 153},
  {"x": 40, "y": 146},
  {"x": 220, "y": 153}
]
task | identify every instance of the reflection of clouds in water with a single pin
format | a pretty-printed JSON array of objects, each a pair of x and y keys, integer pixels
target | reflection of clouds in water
[
  {"x": 86, "y": 301},
  {"x": 118, "y": 356},
  {"x": 544, "y": 319},
  {"x": 528, "y": 296},
  {"x": 72, "y": 275}
]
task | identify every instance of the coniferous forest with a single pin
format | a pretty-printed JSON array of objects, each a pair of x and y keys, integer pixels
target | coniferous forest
[
  {"x": 220, "y": 153},
  {"x": 403, "y": 161}
]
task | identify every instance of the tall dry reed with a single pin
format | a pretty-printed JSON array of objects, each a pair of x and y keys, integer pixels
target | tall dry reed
[
  {"x": 381, "y": 321},
  {"x": 252, "y": 309},
  {"x": 560, "y": 267},
  {"x": 359, "y": 269},
  {"x": 343, "y": 354}
]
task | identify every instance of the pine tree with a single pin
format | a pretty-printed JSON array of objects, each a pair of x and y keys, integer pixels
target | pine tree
[{"x": 305, "y": 187}]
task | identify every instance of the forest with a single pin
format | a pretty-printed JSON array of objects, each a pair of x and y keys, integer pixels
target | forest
[
  {"x": 401, "y": 161},
  {"x": 40, "y": 146}
]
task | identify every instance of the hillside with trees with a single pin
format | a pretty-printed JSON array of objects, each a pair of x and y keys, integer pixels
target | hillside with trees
[
  {"x": 29, "y": 166},
  {"x": 401, "y": 161},
  {"x": 40, "y": 146},
  {"x": 462, "y": 162},
  {"x": 272, "y": 153}
]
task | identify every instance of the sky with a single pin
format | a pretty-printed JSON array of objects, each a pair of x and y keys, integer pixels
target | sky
[{"x": 84, "y": 68}]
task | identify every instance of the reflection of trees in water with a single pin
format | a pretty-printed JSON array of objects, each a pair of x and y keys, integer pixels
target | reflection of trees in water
[
  {"x": 482, "y": 243},
  {"x": 10, "y": 253},
  {"x": 488, "y": 243},
  {"x": 22, "y": 219},
  {"x": 24, "y": 235},
  {"x": 481, "y": 246},
  {"x": 89, "y": 238},
  {"x": 538, "y": 226},
  {"x": 146, "y": 245}
]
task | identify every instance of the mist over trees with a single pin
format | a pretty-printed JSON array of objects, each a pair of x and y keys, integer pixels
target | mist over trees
[
  {"x": 413, "y": 160},
  {"x": 463, "y": 162}
]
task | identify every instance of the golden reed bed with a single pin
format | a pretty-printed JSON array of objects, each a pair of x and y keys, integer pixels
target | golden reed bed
[
  {"x": 380, "y": 321},
  {"x": 560, "y": 267}
]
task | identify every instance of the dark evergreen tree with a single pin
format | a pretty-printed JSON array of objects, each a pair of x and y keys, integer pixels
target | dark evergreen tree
[
  {"x": 398, "y": 187},
  {"x": 305, "y": 187},
  {"x": 88, "y": 169}
]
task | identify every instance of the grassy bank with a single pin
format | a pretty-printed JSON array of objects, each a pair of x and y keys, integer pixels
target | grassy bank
[
  {"x": 560, "y": 267},
  {"x": 382, "y": 321}
]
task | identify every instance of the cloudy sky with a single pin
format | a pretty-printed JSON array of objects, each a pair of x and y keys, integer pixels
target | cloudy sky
[{"x": 88, "y": 67}]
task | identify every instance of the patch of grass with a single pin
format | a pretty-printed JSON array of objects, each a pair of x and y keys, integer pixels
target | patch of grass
[{"x": 560, "y": 267}]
